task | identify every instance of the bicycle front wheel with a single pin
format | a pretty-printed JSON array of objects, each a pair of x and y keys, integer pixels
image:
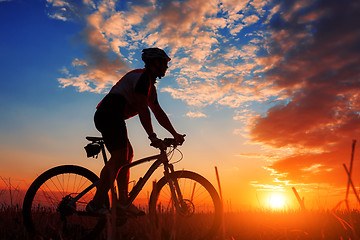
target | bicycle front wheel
[
  {"x": 46, "y": 210},
  {"x": 201, "y": 211}
]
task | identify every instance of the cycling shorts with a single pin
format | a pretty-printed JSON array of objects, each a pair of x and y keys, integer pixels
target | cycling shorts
[{"x": 109, "y": 120}]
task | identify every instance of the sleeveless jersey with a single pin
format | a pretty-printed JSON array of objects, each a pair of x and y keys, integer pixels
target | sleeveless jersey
[{"x": 138, "y": 81}]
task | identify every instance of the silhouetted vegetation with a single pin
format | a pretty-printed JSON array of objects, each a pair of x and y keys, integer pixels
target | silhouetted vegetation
[{"x": 237, "y": 225}]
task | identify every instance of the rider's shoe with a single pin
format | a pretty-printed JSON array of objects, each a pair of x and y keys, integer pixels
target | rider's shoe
[
  {"x": 93, "y": 209},
  {"x": 131, "y": 211}
]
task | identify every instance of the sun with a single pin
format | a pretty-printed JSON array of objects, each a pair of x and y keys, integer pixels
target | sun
[{"x": 277, "y": 201}]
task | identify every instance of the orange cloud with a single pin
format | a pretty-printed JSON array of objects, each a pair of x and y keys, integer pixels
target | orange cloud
[{"x": 319, "y": 71}]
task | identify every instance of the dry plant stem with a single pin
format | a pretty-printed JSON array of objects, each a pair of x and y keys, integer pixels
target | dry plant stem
[
  {"x": 346, "y": 201},
  {"x": 343, "y": 223},
  {"x": 357, "y": 197},
  {"x": 350, "y": 170},
  {"x": 10, "y": 187},
  {"x": 301, "y": 201},
  {"x": 352, "y": 184},
  {"x": 218, "y": 180}
]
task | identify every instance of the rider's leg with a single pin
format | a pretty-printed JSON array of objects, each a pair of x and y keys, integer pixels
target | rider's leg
[
  {"x": 109, "y": 120},
  {"x": 108, "y": 174},
  {"x": 123, "y": 177},
  {"x": 123, "y": 183}
]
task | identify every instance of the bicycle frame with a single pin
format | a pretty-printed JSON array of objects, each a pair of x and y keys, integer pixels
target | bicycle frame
[
  {"x": 161, "y": 159},
  {"x": 56, "y": 203}
]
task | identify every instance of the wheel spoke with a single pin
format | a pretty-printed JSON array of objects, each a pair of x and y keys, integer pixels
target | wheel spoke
[
  {"x": 199, "y": 212},
  {"x": 46, "y": 210}
]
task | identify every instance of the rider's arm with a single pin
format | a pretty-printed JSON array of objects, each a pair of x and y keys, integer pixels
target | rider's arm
[
  {"x": 164, "y": 121},
  {"x": 145, "y": 119},
  {"x": 162, "y": 118},
  {"x": 159, "y": 113},
  {"x": 140, "y": 103},
  {"x": 144, "y": 113}
]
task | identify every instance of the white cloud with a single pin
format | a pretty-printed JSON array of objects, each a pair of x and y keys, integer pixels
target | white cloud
[
  {"x": 58, "y": 17},
  {"x": 208, "y": 67},
  {"x": 250, "y": 20},
  {"x": 237, "y": 29},
  {"x": 195, "y": 114},
  {"x": 79, "y": 62}
]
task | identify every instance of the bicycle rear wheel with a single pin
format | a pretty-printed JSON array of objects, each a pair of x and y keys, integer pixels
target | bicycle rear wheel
[
  {"x": 201, "y": 216},
  {"x": 46, "y": 212}
]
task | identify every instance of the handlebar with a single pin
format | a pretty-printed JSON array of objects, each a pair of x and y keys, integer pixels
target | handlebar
[
  {"x": 171, "y": 142},
  {"x": 168, "y": 142}
]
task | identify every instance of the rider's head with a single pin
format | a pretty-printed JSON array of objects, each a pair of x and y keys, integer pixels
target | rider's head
[{"x": 155, "y": 59}]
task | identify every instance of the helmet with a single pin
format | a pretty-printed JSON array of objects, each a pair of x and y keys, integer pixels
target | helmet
[{"x": 149, "y": 54}]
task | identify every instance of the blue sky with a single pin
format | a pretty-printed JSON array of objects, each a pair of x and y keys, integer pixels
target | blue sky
[{"x": 265, "y": 90}]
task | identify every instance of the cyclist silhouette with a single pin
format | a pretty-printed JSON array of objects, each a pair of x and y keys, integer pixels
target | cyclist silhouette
[{"x": 133, "y": 94}]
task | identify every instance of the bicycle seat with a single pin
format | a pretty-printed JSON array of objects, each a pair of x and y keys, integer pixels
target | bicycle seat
[{"x": 94, "y": 139}]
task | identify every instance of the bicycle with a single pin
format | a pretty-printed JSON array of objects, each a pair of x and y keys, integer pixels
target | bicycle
[{"x": 181, "y": 201}]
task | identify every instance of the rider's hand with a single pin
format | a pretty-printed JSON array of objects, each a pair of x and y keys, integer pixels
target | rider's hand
[
  {"x": 180, "y": 138},
  {"x": 156, "y": 142}
]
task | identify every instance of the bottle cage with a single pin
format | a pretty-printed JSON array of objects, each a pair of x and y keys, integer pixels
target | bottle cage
[{"x": 92, "y": 149}]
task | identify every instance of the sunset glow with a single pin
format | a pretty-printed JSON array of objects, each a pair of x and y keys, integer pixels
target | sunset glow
[
  {"x": 277, "y": 201},
  {"x": 267, "y": 91}
]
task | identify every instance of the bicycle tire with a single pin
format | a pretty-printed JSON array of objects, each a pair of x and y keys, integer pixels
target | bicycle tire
[
  {"x": 41, "y": 214},
  {"x": 206, "y": 217}
]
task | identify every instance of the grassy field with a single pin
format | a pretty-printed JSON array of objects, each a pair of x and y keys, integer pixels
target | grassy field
[
  {"x": 239, "y": 225},
  {"x": 292, "y": 225}
]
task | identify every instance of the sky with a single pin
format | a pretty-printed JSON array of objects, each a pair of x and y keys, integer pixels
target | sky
[{"x": 265, "y": 90}]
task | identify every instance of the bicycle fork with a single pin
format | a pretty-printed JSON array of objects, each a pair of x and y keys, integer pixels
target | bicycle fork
[{"x": 177, "y": 197}]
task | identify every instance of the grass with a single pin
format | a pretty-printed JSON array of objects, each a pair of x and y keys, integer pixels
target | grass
[
  {"x": 262, "y": 225},
  {"x": 291, "y": 225},
  {"x": 11, "y": 226}
]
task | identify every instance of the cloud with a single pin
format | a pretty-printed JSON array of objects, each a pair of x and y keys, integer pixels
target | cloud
[
  {"x": 176, "y": 25},
  {"x": 99, "y": 72},
  {"x": 314, "y": 58},
  {"x": 189, "y": 29},
  {"x": 297, "y": 59},
  {"x": 195, "y": 115},
  {"x": 256, "y": 156},
  {"x": 67, "y": 10},
  {"x": 102, "y": 67}
]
